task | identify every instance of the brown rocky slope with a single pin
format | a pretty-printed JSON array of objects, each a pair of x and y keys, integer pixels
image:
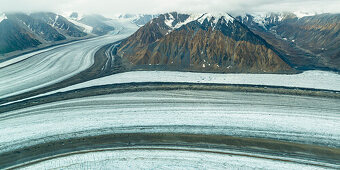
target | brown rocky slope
[
  {"x": 201, "y": 42},
  {"x": 308, "y": 42}
]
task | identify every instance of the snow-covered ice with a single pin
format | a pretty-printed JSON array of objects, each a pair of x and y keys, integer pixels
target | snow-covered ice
[
  {"x": 163, "y": 159},
  {"x": 88, "y": 29},
  {"x": 45, "y": 67},
  {"x": 321, "y": 80},
  {"x": 309, "y": 79},
  {"x": 282, "y": 117}
]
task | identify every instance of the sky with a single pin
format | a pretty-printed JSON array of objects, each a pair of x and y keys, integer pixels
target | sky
[{"x": 113, "y": 7}]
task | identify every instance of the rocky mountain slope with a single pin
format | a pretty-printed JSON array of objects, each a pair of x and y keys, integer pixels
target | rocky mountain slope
[
  {"x": 97, "y": 23},
  {"x": 13, "y": 37},
  {"x": 202, "y": 42},
  {"x": 60, "y": 23},
  {"x": 311, "y": 41},
  {"x": 20, "y": 31}
]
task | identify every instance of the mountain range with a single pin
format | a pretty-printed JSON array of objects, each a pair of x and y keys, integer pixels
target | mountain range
[
  {"x": 219, "y": 42},
  {"x": 20, "y": 32},
  {"x": 209, "y": 42},
  {"x": 213, "y": 42},
  {"x": 308, "y": 42},
  {"x": 138, "y": 19}
]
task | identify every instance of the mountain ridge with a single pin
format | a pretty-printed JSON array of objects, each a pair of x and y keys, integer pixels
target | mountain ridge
[
  {"x": 23, "y": 32},
  {"x": 309, "y": 41},
  {"x": 205, "y": 42}
]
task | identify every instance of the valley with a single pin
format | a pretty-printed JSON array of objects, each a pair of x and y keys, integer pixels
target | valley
[{"x": 189, "y": 90}]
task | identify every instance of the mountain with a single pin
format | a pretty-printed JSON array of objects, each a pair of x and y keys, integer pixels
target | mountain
[
  {"x": 307, "y": 41},
  {"x": 40, "y": 29},
  {"x": 139, "y": 19},
  {"x": 13, "y": 37},
  {"x": 60, "y": 23},
  {"x": 96, "y": 22},
  {"x": 20, "y": 31},
  {"x": 201, "y": 42}
]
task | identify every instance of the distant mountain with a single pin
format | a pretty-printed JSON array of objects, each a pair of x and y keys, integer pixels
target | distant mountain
[
  {"x": 20, "y": 31},
  {"x": 139, "y": 19},
  {"x": 202, "y": 42},
  {"x": 14, "y": 37},
  {"x": 60, "y": 23},
  {"x": 307, "y": 41},
  {"x": 97, "y": 22},
  {"x": 40, "y": 29}
]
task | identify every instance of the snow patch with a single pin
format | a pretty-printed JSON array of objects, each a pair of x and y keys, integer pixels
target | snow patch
[
  {"x": 169, "y": 20},
  {"x": 76, "y": 21},
  {"x": 55, "y": 20},
  {"x": 265, "y": 18},
  {"x": 260, "y": 19},
  {"x": 87, "y": 29},
  {"x": 3, "y": 17}
]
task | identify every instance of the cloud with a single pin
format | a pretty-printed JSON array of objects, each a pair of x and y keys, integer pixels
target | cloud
[{"x": 112, "y": 7}]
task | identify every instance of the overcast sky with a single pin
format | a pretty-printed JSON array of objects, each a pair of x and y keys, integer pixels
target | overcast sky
[{"x": 113, "y": 7}]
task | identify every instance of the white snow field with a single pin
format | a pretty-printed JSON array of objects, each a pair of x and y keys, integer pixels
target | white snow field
[
  {"x": 49, "y": 66},
  {"x": 309, "y": 79},
  {"x": 162, "y": 159},
  {"x": 321, "y": 80},
  {"x": 300, "y": 119}
]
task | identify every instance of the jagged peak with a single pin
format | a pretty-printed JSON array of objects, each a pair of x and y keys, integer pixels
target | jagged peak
[
  {"x": 170, "y": 18},
  {"x": 279, "y": 16},
  {"x": 215, "y": 17},
  {"x": 263, "y": 19},
  {"x": 212, "y": 18},
  {"x": 76, "y": 16}
]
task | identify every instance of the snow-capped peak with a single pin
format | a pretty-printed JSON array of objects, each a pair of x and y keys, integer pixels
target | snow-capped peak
[
  {"x": 215, "y": 17},
  {"x": 301, "y": 14},
  {"x": 199, "y": 17},
  {"x": 75, "y": 19},
  {"x": 169, "y": 19},
  {"x": 76, "y": 16},
  {"x": 3, "y": 17},
  {"x": 266, "y": 18}
]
